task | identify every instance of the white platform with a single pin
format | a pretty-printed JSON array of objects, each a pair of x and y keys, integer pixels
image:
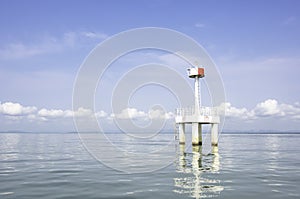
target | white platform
[{"x": 205, "y": 115}]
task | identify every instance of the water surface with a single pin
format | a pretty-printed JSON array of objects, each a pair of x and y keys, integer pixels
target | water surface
[{"x": 36, "y": 165}]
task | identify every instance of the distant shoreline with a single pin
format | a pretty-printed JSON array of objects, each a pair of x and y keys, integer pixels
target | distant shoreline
[{"x": 166, "y": 132}]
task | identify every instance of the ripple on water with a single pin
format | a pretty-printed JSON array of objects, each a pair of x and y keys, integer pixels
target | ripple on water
[{"x": 6, "y": 193}]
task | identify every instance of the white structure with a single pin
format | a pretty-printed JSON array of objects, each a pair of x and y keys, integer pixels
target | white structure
[{"x": 197, "y": 115}]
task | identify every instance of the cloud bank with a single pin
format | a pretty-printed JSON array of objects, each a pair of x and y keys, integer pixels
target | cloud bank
[
  {"x": 268, "y": 109},
  {"x": 16, "y": 109},
  {"x": 31, "y": 112}
]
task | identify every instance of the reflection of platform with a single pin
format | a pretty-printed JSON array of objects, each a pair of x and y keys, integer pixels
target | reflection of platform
[{"x": 193, "y": 169}]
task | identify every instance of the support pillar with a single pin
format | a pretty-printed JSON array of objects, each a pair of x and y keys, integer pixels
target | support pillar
[
  {"x": 197, "y": 97},
  {"x": 181, "y": 133},
  {"x": 196, "y": 134},
  {"x": 214, "y": 134}
]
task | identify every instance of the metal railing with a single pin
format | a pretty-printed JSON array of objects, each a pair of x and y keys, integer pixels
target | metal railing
[{"x": 205, "y": 111}]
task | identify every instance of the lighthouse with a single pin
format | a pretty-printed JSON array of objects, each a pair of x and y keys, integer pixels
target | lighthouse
[{"x": 197, "y": 115}]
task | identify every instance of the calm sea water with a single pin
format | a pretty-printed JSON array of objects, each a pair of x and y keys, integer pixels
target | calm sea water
[{"x": 59, "y": 166}]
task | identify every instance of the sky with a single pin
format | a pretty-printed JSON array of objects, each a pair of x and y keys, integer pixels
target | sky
[{"x": 254, "y": 44}]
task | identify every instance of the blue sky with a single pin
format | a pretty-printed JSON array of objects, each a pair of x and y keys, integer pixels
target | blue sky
[{"x": 255, "y": 44}]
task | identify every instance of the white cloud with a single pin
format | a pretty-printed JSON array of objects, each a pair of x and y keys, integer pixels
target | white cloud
[
  {"x": 130, "y": 113},
  {"x": 233, "y": 112},
  {"x": 16, "y": 109},
  {"x": 35, "y": 117},
  {"x": 133, "y": 113},
  {"x": 80, "y": 112},
  {"x": 199, "y": 25},
  {"x": 95, "y": 35},
  {"x": 49, "y": 44},
  {"x": 101, "y": 114},
  {"x": 21, "y": 50},
  {"x": 160, "y": 114},
  {"x": 270, "y": 65},
  {"x": 69, "y": 39},
  {"x": 169, "y": 115},
  {"x": 155, "y": 114},
  {"x": 83, "y": 112},
  {"x": 53, "y": 113},
  {"x": 269, "y": 108},
  {"x": 172, "y": 60}
]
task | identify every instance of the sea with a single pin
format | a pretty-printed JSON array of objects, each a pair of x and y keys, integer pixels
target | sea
[{"x": 118, "y": 165}]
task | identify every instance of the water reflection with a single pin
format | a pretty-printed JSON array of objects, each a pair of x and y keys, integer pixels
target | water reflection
[
  {"x": 8, "y": 154},
  {"x": 8, "y": 146},
  {"x": 197, "y": 173},
  {"x": 273, "y": 176}
]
